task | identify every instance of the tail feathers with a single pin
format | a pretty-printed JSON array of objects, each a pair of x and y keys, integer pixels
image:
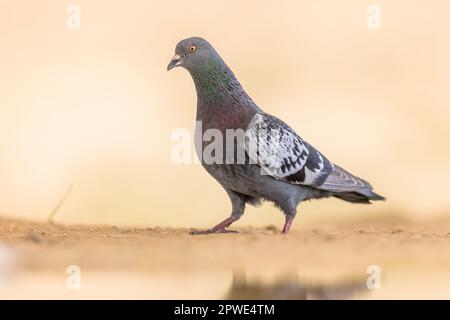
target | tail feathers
[
  {"x": 359, "y": 196},
  {"x": 376, "y": 197},
  {"x": 343, "y": 185}
]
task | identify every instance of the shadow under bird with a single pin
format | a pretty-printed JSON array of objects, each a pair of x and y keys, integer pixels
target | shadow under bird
[{"x": 287, "y": 172}]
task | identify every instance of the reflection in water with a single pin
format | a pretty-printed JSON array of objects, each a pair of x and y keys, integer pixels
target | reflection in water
[
  {"x": 7, "y": 267},
  {"x": 288, "y": 287},
  {"x": 196, "y": 285}
]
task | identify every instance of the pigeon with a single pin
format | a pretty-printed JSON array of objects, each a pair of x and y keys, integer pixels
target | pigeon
[
  {"x": 289, "y": 287},
  {"x": 271, "y": 162}
]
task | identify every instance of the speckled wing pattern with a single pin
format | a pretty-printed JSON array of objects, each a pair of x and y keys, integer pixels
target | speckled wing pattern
[{"x": 281, "y": 153}]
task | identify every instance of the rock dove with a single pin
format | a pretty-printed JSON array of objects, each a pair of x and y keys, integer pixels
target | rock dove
[{"x": 278, "y": 165}]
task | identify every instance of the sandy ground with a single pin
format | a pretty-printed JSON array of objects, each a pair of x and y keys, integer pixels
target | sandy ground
[{"x": 46, "y": 260}]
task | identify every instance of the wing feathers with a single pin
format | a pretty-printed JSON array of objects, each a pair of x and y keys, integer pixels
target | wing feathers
[
  {"x": 341, "y": 180},
  {"x": 281, "y": 153}
]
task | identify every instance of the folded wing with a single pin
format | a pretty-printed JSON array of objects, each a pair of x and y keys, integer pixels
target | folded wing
[{"x": 281, "y": 153}]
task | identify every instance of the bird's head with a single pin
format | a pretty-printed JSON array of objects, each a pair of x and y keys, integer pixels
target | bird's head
[{"x": 191, "y": 53}]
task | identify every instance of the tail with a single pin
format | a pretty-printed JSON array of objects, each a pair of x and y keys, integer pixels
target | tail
[
  {"x": 343, "y": 185},
  {"x": 360, "y": 196}
]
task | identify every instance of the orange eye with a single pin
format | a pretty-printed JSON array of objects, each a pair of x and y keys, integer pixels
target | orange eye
[{"x": 192, "y": 48}]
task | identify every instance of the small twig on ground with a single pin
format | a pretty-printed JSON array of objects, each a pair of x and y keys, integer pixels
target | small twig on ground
[{"x": 60, "y": 203}]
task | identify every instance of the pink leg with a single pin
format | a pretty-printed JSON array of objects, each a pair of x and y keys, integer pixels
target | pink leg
[
  {"x": 287, "y": 224},
  {"x": 220, "y": 228}
]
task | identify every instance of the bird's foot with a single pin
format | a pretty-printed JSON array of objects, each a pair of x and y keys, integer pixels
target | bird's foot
[
  {"x": 220, "y": 228},
  {"x": 211, "y": 231}
]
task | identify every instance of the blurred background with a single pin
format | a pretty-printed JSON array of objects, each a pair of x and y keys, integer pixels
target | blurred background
[{"x": 96, "y": 107}]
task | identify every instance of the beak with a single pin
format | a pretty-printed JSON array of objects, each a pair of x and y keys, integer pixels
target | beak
[{"x": 175, "y": 62}]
